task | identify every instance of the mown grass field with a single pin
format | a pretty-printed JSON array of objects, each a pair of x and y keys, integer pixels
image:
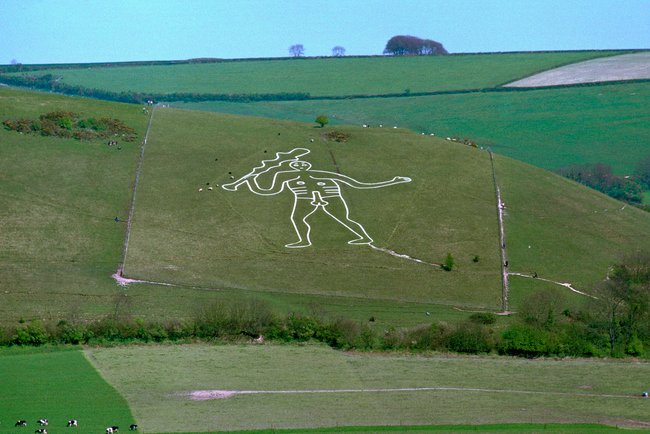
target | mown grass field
[
  {"x": 325, "y": 76},
  {"x": 155, "y": 380},
  {"x": 548, "y": 128},
  {"x": 58, "y": 385}
]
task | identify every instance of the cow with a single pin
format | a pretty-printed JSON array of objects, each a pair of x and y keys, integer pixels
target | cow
[
  {"x": 72, "y": 422},
  {"x": 133, "y": 427},
  {"x": 21, "y": 422},
  {"x": 112, "y": 429},
  {"x": 40, "y": 431},
  {"x": 43, "y": 422}
]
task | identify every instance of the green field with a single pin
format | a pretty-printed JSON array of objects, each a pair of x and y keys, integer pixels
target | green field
[
  {"x": 548, "y": 128},
  {"x": 61, "y": 243},
  {"x": 156, "y": 381},
  {"x": 226, "y": 239},
  {"x": 324, "y": 76},
  {"x": 218, "y": 239},
  {"x": 58, "y": 385}
]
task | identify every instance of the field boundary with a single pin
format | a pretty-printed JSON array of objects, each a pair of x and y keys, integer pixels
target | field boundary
[
  {"x": 205, "y": 395},
  {"x": 129, "y": 221},
  {"x": 502, "y": 238}
]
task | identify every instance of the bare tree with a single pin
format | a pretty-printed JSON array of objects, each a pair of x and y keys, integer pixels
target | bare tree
[
  {"x": 297, "y": 50},
  {"x": 338, "y": 51}
]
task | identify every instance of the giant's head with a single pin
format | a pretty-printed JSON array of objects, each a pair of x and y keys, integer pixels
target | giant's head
[{"x": 300, "y": 165}]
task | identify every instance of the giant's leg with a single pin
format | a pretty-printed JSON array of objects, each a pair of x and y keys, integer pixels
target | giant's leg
[
  {"x": 338, "y": 210},
  {"x": 302, "y": 209}
]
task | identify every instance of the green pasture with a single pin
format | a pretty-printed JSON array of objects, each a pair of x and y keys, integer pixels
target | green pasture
[
  {"x": 324, "y": 76},
  {"x": 60, "y": 243},
  {"x": 223, "y": 239},
  {"x": 58, "y": 385},
  {"x": 156, "y": 381},
  {"x": 59, "y": 198},
  {"x": 551, "y": 222},
  {"x": 548, "y": 128}
]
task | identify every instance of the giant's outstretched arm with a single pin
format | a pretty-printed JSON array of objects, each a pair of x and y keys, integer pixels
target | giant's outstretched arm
[
  {"x": 323, "y": 174},
  {"x": 280, "y": 179}
]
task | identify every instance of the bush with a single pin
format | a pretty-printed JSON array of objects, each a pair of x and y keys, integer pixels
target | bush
[
  {"x": 486, "y": 318},
  {"x": 448, "y": 265},
  {"x": 74, "y": 334},
  {"x": 470, "y": 338},
  {"x": 424, "y": 337},
  {"x": 523, "y": 340},
  {"x": 322, "y": 120},
  {"x": 31, "y": 334},
  {"x": 336, "y": 136}
]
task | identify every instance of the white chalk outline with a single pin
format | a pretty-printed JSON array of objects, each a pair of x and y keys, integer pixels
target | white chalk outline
[
  {"x": 204, "y": 395},
  {"x": 318, "y": 197}
]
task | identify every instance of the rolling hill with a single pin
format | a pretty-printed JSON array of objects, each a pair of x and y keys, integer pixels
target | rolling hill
[{"x": 62, "y": 243}]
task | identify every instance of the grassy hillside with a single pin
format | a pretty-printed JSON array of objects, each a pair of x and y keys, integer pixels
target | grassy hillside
[
  {"x": 236, "y": 239},
  {"x": 548, "y": 128},
  {"x": 59, "y": 386},
  {"x": 219, "y": 239},
  {"x": 61, "y": 244},
  {"x": 324, "y": 76},
  {"x": 507, "y": 390}
]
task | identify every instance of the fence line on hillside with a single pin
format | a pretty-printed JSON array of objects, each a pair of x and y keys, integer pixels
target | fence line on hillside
[
  {"x": 505, "y": 292},
  {"x": 129, "y": 221}
]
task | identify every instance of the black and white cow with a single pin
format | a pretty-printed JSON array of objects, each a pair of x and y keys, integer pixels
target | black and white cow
[
  {"x": 21, "y": 422},
  {"x": 72, "y": 422},
  {"x": 133, "y": 427},
  {"x": 40, "y": 431},
  {"x": 43, "y": 422},
  {"x": 112, "y": 429}
]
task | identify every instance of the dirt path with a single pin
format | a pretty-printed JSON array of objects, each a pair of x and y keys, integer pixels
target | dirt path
[
  {"x": 625, "y": 67},
  {"x": 125, "y": 247}
]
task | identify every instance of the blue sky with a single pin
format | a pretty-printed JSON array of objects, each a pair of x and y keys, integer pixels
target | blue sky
[{"x": 66, "y": 31}]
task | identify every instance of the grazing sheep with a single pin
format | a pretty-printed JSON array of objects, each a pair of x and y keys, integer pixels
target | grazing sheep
[
  {"x": 200, "y": 190},
  {"x": 365, "y": 126},
  {"x": 210, "y": 188}
]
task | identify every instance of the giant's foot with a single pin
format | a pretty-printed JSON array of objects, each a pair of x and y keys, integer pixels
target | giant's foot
[
  {"x": 298, "y": 244},
  {"x": 360, "y": 241}
]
